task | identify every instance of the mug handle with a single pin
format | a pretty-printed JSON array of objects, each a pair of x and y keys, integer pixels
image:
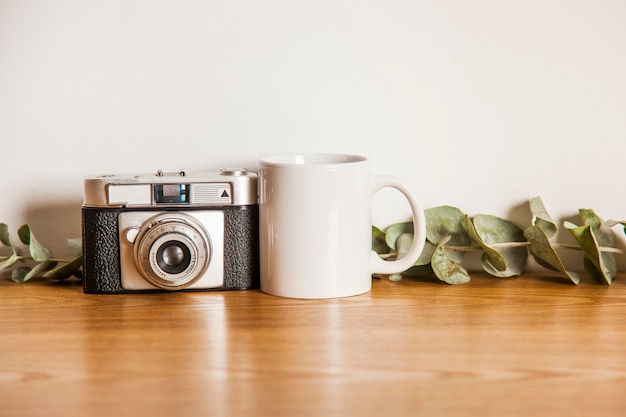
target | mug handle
[{"x": 380, "y": 266}]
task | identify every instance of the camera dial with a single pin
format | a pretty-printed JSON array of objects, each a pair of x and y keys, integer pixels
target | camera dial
[{"x": 172, "y": 251}]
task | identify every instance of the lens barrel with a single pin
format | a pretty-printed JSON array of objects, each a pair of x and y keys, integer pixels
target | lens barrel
[{"x": 172, "y": 251}]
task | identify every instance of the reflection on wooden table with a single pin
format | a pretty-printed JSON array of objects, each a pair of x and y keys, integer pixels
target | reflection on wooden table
[{"x": 417, "y": 347}]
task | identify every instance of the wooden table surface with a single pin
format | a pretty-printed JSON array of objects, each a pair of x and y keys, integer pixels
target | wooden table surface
[{"x": 534, "y": 345}]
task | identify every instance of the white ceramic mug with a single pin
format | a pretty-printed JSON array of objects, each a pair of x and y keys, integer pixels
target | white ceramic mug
[{"x": 316, "y": 225}]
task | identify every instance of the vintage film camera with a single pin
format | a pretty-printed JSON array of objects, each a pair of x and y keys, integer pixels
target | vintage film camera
[{"x": 170, "y": 231}]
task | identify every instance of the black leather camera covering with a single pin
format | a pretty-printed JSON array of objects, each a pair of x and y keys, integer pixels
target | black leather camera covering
[{"x": 101, "y": 249}]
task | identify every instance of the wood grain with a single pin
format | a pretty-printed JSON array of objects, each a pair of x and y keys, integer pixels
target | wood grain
[{"x": 501, "y": 347}]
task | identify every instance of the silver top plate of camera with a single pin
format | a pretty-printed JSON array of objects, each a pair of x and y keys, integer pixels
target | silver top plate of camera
[{"x": 232, "y": 186}]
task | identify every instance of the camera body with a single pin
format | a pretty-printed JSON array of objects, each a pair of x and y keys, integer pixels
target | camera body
[{"x": 170, "y": 232}]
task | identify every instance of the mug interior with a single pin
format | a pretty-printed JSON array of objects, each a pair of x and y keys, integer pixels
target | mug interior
[{"x": 311, "y": 159}]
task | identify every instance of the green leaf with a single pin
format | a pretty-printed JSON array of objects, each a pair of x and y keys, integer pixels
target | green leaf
[
  {"x": 604, "y": 234},
  {"x": 395, "y": 230},
  {"x": 24, "y": 234},
  {"x": 447, "y": 222},
  {"x": 39, "y": 269},
  {"x": 378, "y": 242},
  {"x": 65, "y": 271},
  {"x": 545, "y": 255},
  {"x": 541, "y": 218},
  {"x": 598, "y": 264},
  {"x": 590, "y": 218},
  {"x": 611, "y": 223},
  {"x": 504, "y": 261},
  {"x": 395, "y": 277},
  {"x": 419, "y": 271},
  {"x": 10, "y": 261},
  {"x": 4, "y": 235},
  {"x": 604, "y": 237},
  {"x": 496, "y": 259},
  {"x": 592, "y": 270},
  {"x": 19, "y": 274},
  {"x": 515, "y": 259},
  {"x": 6, "y": 240},
  {"x": 38, "y": 252},
  {"x": 403, "y": 244},
  {"x": 427, "y": 255},
  {"x": 75, "y": 246},
  {"x": 446, "y": 269}
]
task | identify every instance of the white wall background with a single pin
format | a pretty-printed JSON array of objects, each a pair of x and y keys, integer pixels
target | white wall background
[{"x": 479, "y": 104}]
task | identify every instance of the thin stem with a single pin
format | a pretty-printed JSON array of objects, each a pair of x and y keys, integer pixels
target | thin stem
[
  {"x": 29, "y": 258},
  {"x": 527, "y": 244},
  {"x": 63, "y": 261},
  {"x": 492, "y": 245},
  {"x": 471, "y": 248},
  {"x": 602, "y": 248}
]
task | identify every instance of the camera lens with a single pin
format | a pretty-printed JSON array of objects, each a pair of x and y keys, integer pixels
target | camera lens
[
  {"x": 173, "y": 257},
  {"x": 172, "y": 251}
]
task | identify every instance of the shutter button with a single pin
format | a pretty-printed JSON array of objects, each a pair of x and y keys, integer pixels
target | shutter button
[{"x": 234, "y": 172}]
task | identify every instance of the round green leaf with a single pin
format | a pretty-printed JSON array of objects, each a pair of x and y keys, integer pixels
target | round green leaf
[
  {"x": 75, "y": 245},
  {"x": 419, "y": 271},
  {"x": 427, "y": 254},
  {"x": 496, "y": 260},
  {"x": 19, "y": 274},
  {"x": 611, "y": 223},
  {"x": 597, "y": 264},
  {"x": 39, "y": 269},
  {"x": 593, "y": 235},
  {"x": 603, "y": 233},
  {"x": 541, "y": 218},
  {"x": 403, "y": 244},
  {"x": 446, "y": 269},
  {"x": 4, "y": 235},
  {"x": 445, "y": 221},
  {"x": 593, "y": 270},
  {"x": 24, "y": 234},
  {"x": 10, "y": 261},
  {"x": 395, "y": 230},
  {"x": 541, "y": 249},
  {"x": 64, "y": 271},
  {"x": 395, "y": 277},
  {"x": 514, "y": 258},
  {"x": 487, "y": 231},
  {"x": 38, "y": 252},
  {"x": 378, "y": 242}
]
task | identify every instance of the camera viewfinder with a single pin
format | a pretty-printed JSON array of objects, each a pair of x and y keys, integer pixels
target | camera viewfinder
[{"x": 171, "y": 193}]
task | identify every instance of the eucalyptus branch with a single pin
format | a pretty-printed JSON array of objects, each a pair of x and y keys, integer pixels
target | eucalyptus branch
[
  {"x": 450, "y": 234},
  {"x": 42, "y": 261},
  {"x": 473, "y": 248}
]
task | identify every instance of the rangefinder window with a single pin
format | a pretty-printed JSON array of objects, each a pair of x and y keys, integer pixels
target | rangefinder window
[{"x": 171, "y": 193}]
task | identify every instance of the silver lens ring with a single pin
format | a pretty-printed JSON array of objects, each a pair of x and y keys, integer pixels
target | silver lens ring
[{"x": 172, "y": 251}]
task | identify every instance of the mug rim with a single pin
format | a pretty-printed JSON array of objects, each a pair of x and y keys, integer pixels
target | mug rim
[{"x": 296, "y": 160}]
